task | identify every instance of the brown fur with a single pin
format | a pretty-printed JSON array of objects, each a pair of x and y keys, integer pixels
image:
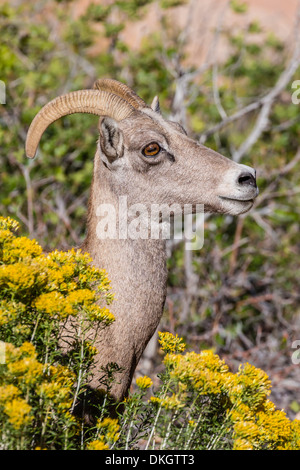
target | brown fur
[
  {"x": 137, "y": 268},
  {"x": 183, "y": 172}
]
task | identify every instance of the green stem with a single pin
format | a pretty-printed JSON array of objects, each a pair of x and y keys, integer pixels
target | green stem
[
  {"x": 35, "y": 328},
  {"x": 188, "y": 417},
  {"x": 80, "y": 373},
  {"x": 169, "y": 429},
  {"x": 157, "y": 416},
  {"x": 215, "y": 440},
  {"x": 153, "y": 428},
  {"x": 193, "y": 431}
]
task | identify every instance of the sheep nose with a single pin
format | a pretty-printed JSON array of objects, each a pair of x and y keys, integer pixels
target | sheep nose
[{"x": 247, "y": 179}]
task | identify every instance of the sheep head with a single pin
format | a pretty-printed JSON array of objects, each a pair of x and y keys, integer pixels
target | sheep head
[{"x": 149, "y": 158}]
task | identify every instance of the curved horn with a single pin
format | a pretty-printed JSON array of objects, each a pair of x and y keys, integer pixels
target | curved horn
[
  {"x": 120, "y": 89},
  {"x": 82, "y": 101}
]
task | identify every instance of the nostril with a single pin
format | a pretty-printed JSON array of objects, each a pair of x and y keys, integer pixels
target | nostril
[{"x": 247, "y": 179}]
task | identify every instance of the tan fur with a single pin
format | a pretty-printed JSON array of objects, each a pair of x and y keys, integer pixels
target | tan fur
[
  {"x": 184, "y": 172},
  {"x": 137, "y": 268}
]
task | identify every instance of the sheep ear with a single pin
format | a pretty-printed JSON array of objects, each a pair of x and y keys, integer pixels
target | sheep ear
[
  {"x": 111, "y": 139},
  {"x": 155, "y": 105}
]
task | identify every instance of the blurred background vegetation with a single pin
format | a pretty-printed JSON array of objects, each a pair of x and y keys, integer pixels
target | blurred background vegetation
[{"x": 240, "y": 293}]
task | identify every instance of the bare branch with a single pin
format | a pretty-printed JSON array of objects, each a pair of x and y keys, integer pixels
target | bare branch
[
  {"x": 216, "y": 93},
  {"x": 183, "y": 77},
  {"x": 265, "y": 103},
  {"x": 234, "y": 117}
]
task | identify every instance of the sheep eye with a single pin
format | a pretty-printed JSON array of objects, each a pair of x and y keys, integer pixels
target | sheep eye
[{"x": 151, "y": 150}]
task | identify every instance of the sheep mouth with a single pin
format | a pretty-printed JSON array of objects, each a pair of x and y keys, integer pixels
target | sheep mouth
[{"x": 237, "y": 199}]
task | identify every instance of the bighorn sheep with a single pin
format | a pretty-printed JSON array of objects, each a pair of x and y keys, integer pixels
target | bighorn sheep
[{"x": 150, "y": 160}]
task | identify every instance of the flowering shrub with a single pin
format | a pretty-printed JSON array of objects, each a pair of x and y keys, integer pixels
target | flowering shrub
[
  {"x": 38, "y": 293},
  {"x": 107, "y": 433},
  {"x": 199, "y": 404},
  {"x": 202, "y": 405}
]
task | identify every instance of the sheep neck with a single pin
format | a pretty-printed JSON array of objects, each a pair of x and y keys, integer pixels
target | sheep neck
[{"x": 138, "y": 274}]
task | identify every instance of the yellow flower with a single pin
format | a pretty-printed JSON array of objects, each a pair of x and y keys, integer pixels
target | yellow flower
[
  {"x": 155, "y": 400},
  {"x": 54, "y": 304},
  {"x": 21, "y": 248},
  {"x": 204, "y": 372},
  {"x": 9, "y": 224},
  {"x": 82, "y": 297},
  {"x": 241, "y": 412},
  {"x": 20, "y": 278},
  {"x": 144, "y": 382},
  {"x": 110, "y": 428},
  {"x": 246, "y": 430},
  {"x": 27, "y": 370},
  {"x": 62, "y": 375},
  {"x": 90, "y": 348},
  {"x": 192, "y": 423},
  {"x": 15, "y": 353},
  {"x": 275, "y": 427},
  {"x": 294, "y": 443},
  {"x": 22, "y": 363},
  {"x": 54, "y": 392},
  {"x": 172, "y": 402},
  {"x": 5, "y": 237},
  {"x": 8, "y": 392},
  {"x": 99, "y": 314},
  {"x": 18, "y": 411},
  {"x": 242, "y": 444},
  {"x": 28, "y": 348},
  {"x": 170, "y": 343},
  {"x": 10, "y": 310},
  {"x": 269, "y": 407},
  {"x": 73, "y": 256},
  {"x": 97, "y": 445}
]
